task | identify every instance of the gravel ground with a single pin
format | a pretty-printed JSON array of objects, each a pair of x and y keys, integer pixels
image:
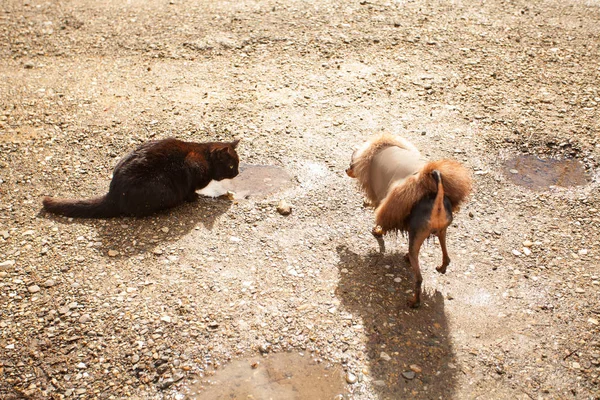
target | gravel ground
[{"x": 139, "y": 308}]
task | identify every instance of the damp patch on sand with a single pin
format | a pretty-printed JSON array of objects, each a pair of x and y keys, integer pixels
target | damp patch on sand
[
  {"x": 289, "y": 376},
  {"x": 253, "y": 181},
  {"x": 539, "y": 174}
]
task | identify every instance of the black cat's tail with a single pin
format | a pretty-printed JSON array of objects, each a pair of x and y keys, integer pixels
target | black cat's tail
[{"x": 98, "y": 207}]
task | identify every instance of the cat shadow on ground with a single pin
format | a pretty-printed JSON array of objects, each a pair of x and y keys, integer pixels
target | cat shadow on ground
[
  {"x": 129, "y": 236},
  {"x": 409, "y": 350}
]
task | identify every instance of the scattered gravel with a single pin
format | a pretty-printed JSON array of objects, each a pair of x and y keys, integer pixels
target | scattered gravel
[{"x": 140, "y": 308}]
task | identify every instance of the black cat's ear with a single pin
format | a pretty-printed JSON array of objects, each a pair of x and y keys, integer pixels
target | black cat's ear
[
  {"x": 235, "y": 143},
  {"x": 220, "y": 150}
]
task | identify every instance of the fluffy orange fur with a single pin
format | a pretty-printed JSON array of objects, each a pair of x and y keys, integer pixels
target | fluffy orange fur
[{"x": 393, "y": 211}]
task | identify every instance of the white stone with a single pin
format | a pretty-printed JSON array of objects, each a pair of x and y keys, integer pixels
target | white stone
[
  {"x": 7, "y": 264},
  {"x": 33, "y": 288}
]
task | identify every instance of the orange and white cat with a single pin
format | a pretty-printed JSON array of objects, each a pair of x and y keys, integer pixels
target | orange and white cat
[{"x": 410, "y": 194}]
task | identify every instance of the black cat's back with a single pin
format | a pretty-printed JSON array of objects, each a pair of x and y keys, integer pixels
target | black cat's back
[
  {"x": 155, "y": 156},
  {"x": 155, "y": 177}
]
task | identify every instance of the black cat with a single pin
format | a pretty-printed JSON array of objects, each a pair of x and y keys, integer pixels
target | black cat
[{"x": 157, "y": 175}]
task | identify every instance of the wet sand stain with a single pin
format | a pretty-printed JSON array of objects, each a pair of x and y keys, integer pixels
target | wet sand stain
[
  {"x": 539, "y": 174},
  {"x": 252, "y": 181},
  {"x": 282, "y": 376}
]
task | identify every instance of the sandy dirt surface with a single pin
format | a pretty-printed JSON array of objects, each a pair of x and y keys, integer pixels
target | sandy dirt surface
[{"x": 143, "y": 308}]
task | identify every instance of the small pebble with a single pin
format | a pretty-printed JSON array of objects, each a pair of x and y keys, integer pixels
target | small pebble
[
  {"x": 351, "y": 378},
  {"x": 385, "y": 356},
  {"x": 33, "y": 288},
  {"x": 113, "y": 253},
  {"x": 284, "y": 208},
  {"x": 166, "y": 383},
  {"x": 527, "y": 243},
  {"x": 84, "y": 318},
  {"x": 416, "y": 368},
  {"x": 264, "y": 348},
  {"x": 516, "y": 252},
  {"x": 409, "y": 374},
  {"x": 49, "y": 283},
  {"x": 8, "y": 264}
]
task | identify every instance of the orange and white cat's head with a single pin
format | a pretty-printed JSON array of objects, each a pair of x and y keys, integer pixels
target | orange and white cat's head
[{"x": 356, "y": 155}]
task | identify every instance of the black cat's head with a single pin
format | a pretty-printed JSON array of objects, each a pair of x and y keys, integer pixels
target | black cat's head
[{"x": 225, "y": 161}]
